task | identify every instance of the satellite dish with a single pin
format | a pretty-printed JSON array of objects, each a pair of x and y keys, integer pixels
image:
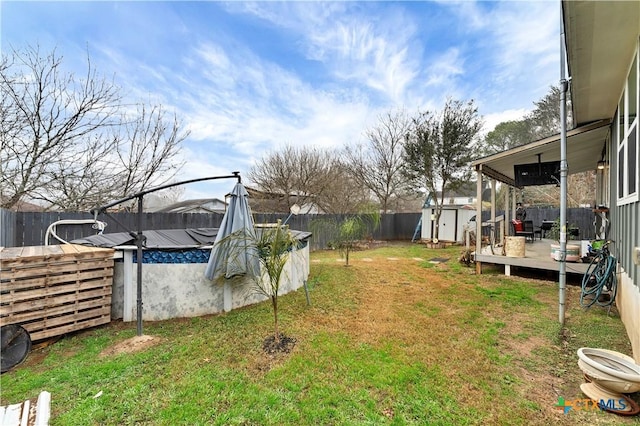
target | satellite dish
[
  {"x": 294, "y": 210},
  {"x": 15, "y": 346}
]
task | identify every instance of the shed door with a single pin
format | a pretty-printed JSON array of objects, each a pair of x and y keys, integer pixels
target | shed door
[{"x": 447, "y": 225}]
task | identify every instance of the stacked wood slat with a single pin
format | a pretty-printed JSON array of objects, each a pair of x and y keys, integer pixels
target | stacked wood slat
[{"x": 54, "y": 290}]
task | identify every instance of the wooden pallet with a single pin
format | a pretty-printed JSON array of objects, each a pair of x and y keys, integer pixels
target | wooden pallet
[{"x": 54, "y": 290}]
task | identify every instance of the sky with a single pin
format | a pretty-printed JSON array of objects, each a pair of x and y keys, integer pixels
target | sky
[{"x": 247, "y": 78}]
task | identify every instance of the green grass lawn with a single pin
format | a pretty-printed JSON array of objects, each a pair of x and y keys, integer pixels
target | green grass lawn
[{"x": 391, "y": 339}]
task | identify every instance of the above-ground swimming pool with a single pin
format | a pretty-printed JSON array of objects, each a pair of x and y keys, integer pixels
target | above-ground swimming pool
[{"x": 173, "y": 280}]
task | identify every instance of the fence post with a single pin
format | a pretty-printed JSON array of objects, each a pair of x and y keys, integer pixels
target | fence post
[{"x": 7, "y": 228}]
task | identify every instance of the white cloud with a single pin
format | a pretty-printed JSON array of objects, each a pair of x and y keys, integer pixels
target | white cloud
[
  {"x": 353, "y": 45},
  {"x": 445, "y": 69},
  {"x": 256, "y": 103},
  {"x": 527, "y": 41},
  {"x": 492, "y": 120}
]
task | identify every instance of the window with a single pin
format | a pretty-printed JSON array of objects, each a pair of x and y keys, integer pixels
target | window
[{"x": 627, "y": 137}]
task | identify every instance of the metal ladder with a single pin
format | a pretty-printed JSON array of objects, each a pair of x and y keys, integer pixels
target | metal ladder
[{"x": 418, "y": 229}]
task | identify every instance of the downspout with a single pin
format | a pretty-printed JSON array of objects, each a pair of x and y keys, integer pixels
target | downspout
[{"x": 564, "y": 85}]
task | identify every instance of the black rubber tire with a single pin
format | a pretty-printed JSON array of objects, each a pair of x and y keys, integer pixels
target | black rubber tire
[{"x": 15, "y": 346}]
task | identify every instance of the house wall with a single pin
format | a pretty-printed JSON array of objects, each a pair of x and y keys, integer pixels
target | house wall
[
  {"x": 628, "y": 303},
  {"x": 626, "y": 236},
  {"x": 625, "y": 232},
  {"x": 181, "y": 290}
]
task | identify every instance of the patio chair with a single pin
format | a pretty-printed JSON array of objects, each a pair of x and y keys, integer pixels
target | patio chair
[
  {"x": 529, "y": 232},
  {"x": 523, "y": 229}
]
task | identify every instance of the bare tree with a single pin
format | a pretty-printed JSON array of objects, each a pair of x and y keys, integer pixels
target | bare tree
[
  {"x": 65, "y": 141},
  {"x": 581, "y": 190},
  {"x": 439, "y": 149},
  {"x": 142, "y": 154},
  {"x": 298, "y": 174},
  {"x": 171, "y": 195},
  {"x": 377, "y": 165},
  {"x": 148, "y": 149},
  {"x": 342, "y": 194},
  {"x": 54, "y": 114}
]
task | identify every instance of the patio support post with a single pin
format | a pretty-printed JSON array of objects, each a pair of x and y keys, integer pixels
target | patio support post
[
  {"x": 493, "y": 208},
  {"x": 493, "y": 199},
  {"x": 478, "y": 217},
  {"x": 507, "y": 216},
  {"x": 562, "y": 284},
  {"x": 513, "y": 202}
]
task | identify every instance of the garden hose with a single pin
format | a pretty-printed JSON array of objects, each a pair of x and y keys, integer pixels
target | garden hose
[{"x": 599, "y": 280}]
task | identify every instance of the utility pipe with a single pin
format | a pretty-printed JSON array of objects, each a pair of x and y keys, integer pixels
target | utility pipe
[{"x": 564, "y": 86}]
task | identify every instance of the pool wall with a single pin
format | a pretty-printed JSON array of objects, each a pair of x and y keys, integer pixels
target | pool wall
[{"x": 179, "y": 290}]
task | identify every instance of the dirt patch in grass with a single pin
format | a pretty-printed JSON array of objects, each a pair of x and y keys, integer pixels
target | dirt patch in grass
[
  {"x": 284, "y": 344},
  {"x": 131, "y": 345},
  {"x": 387, "y": 298},
  {"x": 35, "y": 357}
]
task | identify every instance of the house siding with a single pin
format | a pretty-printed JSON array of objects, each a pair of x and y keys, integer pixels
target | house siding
[
  {"x": 626, "y": 237},
  {"x": 625, "y": 232}
]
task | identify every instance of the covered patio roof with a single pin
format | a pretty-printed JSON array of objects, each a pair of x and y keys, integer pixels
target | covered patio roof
[
  {"x": 585, "y": 147},
  {"x": 599, "y": 47}
]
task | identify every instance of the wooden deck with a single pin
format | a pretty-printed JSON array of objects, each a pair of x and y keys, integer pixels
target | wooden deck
[{"x": 536, "y": 257}]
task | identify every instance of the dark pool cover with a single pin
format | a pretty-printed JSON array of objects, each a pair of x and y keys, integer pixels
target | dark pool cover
[
  {"x": 161, "y": 239},
  {"x": 164, "y": 239}
]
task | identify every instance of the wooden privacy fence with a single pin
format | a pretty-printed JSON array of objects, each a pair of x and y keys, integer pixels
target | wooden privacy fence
[
  {"x": 54, "y": 290},
  {"x": 7, "y": 228},
  {"x": 580, "y": 218},
  {"x": 29, "y": 228}
]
